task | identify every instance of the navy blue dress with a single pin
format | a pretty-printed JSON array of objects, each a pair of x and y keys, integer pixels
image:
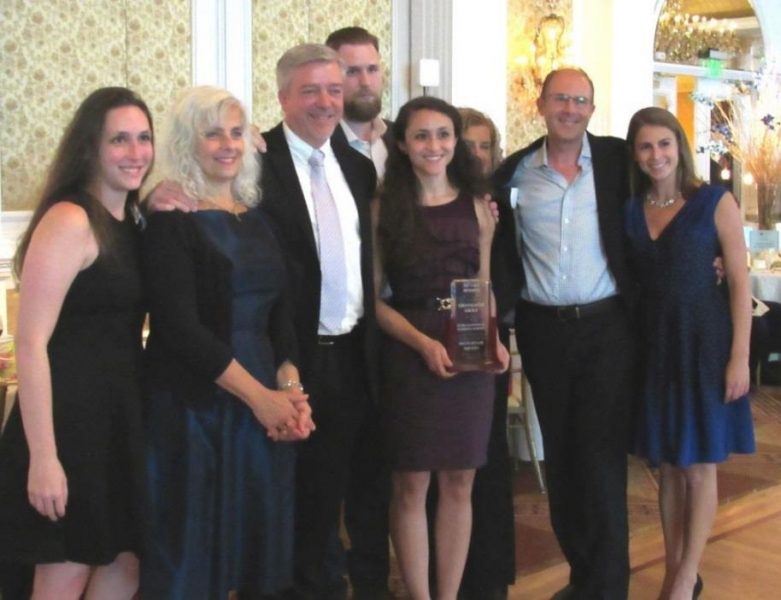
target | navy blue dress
[
  {"x": 685, "y": 339},
  {"x": 221, "y": 492}
]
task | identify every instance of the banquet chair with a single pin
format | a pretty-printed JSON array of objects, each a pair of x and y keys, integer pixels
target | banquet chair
[
  {"x": 765, "y": 339},
  {"x": 519, "y": 399}
]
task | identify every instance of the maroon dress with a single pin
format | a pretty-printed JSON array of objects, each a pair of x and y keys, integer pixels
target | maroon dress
[{"x": 434, "y": 423}]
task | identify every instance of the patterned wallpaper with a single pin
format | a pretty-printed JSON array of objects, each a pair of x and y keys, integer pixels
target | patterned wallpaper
[
  {"x": 53, "y": 54},
  {"x": 57, "y": 52},
  {"x": 523, "y": 123},
  {"x": 297, "y": 21}
]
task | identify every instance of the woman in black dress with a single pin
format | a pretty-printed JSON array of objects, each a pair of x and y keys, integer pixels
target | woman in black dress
[
  {"x": 71, "y": 467},
  {"x": 490, "y": 563},
  {"x": 431, "y": 228}
]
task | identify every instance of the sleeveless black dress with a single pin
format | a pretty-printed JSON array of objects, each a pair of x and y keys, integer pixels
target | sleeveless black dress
[
  {"x": 434, "y": 423},
  {"x": 94, "y": 353}
]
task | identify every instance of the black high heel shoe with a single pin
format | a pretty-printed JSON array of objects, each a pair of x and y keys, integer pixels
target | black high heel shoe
[{"x": 697, "y": 588}]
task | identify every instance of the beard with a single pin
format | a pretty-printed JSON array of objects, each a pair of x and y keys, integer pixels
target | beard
[{"x": 362, "y": 108}]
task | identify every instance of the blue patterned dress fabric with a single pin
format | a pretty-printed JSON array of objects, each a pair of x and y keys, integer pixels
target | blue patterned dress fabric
[{"x": 685, "y": 339}]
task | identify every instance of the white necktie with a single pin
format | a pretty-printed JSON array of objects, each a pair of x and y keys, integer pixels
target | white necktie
[{"x": 333, "y": 268}]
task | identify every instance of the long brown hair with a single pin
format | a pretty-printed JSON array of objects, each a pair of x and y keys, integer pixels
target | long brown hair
[
  {"x": 401, "y": 224},
  {"x": 686, "y": 177},
  {"x": 75, "y": 165}
]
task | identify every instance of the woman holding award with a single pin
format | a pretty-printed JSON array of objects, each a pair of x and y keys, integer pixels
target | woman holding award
[{"x": 433, "y": 225}]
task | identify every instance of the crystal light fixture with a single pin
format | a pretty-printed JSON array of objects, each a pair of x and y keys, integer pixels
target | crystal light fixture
[{"x": 682, "y": 37}]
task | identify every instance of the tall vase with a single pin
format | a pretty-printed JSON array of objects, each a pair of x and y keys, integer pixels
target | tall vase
[{"x": 766, "y": 198}]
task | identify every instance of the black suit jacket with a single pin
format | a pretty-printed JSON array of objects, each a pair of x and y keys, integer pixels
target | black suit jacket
[
  {"x": 387, "y": 137},
  {"x": 283, "y": 200},
  {"x": 611, "y": 181}
]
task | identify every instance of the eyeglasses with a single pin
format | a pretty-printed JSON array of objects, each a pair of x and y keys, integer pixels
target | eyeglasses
[{"x": 565, "y": 98}]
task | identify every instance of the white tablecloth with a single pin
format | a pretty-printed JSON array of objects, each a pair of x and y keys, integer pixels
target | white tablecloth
[{"x": 766, "y": 285}]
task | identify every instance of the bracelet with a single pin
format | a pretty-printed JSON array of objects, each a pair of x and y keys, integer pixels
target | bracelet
[{"x": 290, "y": 384}]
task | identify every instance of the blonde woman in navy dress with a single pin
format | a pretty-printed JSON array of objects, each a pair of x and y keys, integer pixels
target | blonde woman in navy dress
[
  {"x": 694, "y": 336},
  {"x": 223, "y": 388}
]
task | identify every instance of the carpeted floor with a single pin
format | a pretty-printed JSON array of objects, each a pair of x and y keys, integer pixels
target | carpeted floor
[{"x": 536, "y": 546}]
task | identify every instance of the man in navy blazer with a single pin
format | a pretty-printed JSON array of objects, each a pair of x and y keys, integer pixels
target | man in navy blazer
[
  {"x": 338, "y": 363},
  {"x": 563, "y": 243}
]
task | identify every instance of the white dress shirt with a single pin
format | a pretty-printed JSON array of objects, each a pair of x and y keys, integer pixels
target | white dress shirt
[{"x": 348, "y": 220}]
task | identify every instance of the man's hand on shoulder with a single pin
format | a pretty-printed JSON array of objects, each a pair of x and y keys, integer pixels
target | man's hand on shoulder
[
  {"x": 257, "y": 139},
  {"x": 167, "y": 196},
  {"x": 718, "y": 269}
]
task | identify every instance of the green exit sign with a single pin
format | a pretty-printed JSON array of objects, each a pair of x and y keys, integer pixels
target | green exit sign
[{"x": 713, "y": 68}]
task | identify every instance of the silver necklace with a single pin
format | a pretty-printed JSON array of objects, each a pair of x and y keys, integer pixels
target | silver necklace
[{"x": 661, "y": 202}]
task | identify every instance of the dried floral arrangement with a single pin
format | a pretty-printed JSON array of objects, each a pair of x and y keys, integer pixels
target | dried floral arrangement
[{"x": 749, "y": 128}]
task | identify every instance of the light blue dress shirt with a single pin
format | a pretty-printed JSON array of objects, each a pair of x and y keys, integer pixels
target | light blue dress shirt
[{"x": 558, "y": 228}]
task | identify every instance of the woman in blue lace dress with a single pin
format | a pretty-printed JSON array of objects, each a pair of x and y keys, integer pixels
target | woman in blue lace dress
[{"x": 694, "y": 336}]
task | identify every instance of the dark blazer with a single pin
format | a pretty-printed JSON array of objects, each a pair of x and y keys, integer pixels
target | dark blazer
[
  {"x": 283, "y": 200},
  {"x": 611, "y": 181},
  {"x": 387, "y": 137}
]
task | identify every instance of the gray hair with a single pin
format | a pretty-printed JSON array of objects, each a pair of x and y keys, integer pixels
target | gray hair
[
  {"x": 304, "y": 54},
  {"x": 198, "y": 109}
]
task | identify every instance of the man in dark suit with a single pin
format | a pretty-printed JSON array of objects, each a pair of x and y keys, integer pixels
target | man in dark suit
[
  {"x": 368, "y": 491},
  {"x": 567, "y": 192},
  {"x": 337, "y": 356}
]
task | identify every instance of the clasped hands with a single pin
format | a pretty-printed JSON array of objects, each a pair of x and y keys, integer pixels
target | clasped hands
[{"x": 288, "y": 415}]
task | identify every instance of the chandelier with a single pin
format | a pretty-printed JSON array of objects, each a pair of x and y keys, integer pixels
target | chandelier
[{"x": 682, "y": 38}]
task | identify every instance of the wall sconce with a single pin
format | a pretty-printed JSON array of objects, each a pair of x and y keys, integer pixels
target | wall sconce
[{"x": 428, "y": 74}]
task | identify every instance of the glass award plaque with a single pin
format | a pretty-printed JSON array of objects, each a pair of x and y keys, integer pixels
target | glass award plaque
[{"x": 470, "y": 339}]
